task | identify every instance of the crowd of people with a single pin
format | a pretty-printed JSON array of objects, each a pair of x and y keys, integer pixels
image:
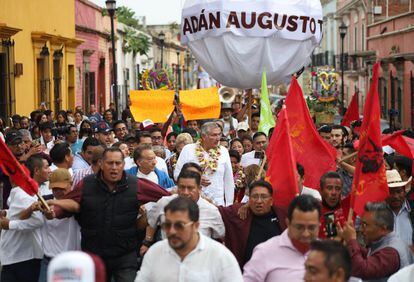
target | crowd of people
[{"x": 188, "y": 201}]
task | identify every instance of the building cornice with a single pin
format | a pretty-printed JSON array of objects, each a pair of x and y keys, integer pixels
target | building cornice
[
  {"x": 7, "y": 31},
  {"x": 40, "y": 36}
]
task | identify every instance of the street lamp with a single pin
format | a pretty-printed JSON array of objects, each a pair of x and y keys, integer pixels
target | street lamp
[
  {"x": 161, "y": 38},
  {"x": 342, "y": 31},
  {"x": 187, "y": 54},
  {"x": 111, "y": 8},
  {"x": 178, "y": 71}
]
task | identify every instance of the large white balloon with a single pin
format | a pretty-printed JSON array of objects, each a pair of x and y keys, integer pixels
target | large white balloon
[{"x": 235, "y": 40}]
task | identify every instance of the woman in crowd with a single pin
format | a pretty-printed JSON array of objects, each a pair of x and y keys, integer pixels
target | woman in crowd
[
  {"x": 85, "y": 130},
  {"x": 78, "y": 118},
  {"x": 237, "y": 145},
  {"x": 61, "y": 119}
]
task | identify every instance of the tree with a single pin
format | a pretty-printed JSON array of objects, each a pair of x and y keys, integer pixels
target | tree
[
  {"x": 127, "y": 16},
  {"x": 137, "y": 43}
]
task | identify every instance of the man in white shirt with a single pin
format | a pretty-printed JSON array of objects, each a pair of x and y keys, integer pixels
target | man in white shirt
[
  {"x": 189, "y": 186},
  {"x": 20, "y": 242},
  {"x": 62, "y": 157},
  {"x": 58, "y": 235},
  {"x": 257, "y": 155},
  {"x": 187, "y": 255},
  {"x": 215, "y": 162},
  {"x": 303, "y": 190},
  {"x": 230, "y": 123}
]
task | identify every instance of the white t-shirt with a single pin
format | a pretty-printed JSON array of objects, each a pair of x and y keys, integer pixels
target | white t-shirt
[
  {"x": 226, "y": 129},
  {"x": 152, "y": 176}
]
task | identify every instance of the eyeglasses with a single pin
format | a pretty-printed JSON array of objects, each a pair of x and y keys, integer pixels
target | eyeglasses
[
  {"x": 257, "y": 197},
  {"x": 302, "y": 228},
  {"x": 178, "y": 226}
]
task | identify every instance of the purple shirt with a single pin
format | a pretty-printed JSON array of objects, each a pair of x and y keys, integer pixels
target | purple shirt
[{"x": 275, "y": 260}]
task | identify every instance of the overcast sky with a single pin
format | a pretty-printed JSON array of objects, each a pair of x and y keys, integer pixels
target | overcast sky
[{"x": 156, "y": 11}]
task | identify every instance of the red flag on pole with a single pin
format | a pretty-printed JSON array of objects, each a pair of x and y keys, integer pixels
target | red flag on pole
[
  {"x": 281, "y": 170},
  {"x": 18, "y": 173},
  {"x": 352, "y": 113},
  {"x": 370, "y": 182},
  {"x": 310, "y": 150}
]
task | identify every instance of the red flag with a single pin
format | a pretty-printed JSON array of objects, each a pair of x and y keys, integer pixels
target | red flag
[
  {"x": 281, "y": 170},
  {"x": 18, "y": 173},
  {"x": 352, "y": 113},
  {"x": 400, "y": 143},
  {"x": 310, "y": 150},
  {"x": 370, "y": 182}
]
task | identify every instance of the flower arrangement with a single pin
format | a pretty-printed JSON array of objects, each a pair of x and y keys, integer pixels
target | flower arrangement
[
  {"x": 208, "y": 160},
  {"x": 158, "y": 79},
  {"x": 323, "y": 86}
]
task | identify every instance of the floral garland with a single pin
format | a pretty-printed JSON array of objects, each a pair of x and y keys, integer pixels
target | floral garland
[
  {"x": 208, "y": 164},
  {"x": 239, "y": 177},
  {"x": 156, "y": 80},
  {"x": 324, "y": 85}
]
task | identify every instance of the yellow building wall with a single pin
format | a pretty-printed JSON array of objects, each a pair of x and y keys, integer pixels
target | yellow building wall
[{"x": 50, "y": 22}]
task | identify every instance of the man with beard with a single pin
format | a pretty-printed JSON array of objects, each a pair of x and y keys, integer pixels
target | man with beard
[
  {"x": 339, "y": 136},
  {"x": 334, "y": 210},
  {"x": 282, "y": 258},
  {"x": 187, "y": 255},
  {"x": 402, "y": 209}
]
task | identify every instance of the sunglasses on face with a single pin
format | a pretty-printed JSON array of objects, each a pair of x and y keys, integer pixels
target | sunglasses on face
[{"x": 178, "y": 226}]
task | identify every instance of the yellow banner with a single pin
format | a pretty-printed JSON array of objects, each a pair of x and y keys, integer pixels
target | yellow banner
[
  {"x": 156, "y": 105},
  {"x": 200, "y": 103}
]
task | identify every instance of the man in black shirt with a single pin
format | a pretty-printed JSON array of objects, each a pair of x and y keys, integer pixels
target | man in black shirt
[{"x": 262, "y": 223}]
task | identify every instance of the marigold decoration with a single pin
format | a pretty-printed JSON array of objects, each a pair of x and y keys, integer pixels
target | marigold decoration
[
  {"x": 208, "y": 159},
  {"x": 157, "y": 80}
]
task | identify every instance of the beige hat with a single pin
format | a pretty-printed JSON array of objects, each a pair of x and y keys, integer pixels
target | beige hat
[
  {"x": 394, "y": 179},
  {"x": 60, "y": 178}
]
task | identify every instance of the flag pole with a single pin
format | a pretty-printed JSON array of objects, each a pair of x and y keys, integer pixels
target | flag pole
[{"x": 42, "y": 200}]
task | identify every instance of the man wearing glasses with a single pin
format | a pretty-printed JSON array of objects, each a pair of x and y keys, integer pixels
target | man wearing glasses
[
  {"x": 282, "y": 258},
  {"x": 120, "y": 130},
  {"x": 187, "y": 255},
  {"x": 263, "y": 221}
]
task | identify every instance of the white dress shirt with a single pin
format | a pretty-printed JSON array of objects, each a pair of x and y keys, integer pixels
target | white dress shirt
[
  {"x": 249, "y": 159},
  {"x": 53, "y": 167},
  {"x": 211, "y": 223},
  {"x": 221, "y": 189},
  {"x": 209, "y": 261},
  {"x": 402, "y": 224},
  {"x": 22, "y": 241}
]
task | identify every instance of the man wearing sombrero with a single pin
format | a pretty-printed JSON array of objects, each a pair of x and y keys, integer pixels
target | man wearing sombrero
[{"x": 402, "y": 209}]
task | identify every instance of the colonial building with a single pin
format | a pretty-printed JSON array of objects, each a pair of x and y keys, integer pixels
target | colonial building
[
  {"x": 93, "y": 56},
  {"x": 390, "y": 37},
  {"x": 37, "y": 55}
]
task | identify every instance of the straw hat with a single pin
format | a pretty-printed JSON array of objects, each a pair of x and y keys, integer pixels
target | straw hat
[{"x": 394, "y": 179}]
